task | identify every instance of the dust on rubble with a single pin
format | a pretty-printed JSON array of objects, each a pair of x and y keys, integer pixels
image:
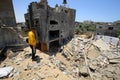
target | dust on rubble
[
  {"x": 80, "y": 59},
  {"x": 26, "y": 69}
]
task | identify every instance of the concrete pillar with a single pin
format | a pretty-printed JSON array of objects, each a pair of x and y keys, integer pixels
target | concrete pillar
[
  {"x": 7, "y": 13},
  {"x": 48, "y": 46}
]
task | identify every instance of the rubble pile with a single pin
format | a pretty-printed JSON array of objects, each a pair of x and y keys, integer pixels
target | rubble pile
[
  {"x": 26, "y": 69},
  {"x": 80, "y": 59},
  {"x": 106, "y": 66},
  {"x": 74, "y": 52},
  {"x": 73, "y": 49},
  {"x": 103, "y": 63}
]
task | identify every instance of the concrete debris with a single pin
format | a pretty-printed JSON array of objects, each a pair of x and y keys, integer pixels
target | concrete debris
[
  {"x": 58, "y": 64},
  {"x": 84, "y": 71},
  {"x": 101, "y": 45},
  {"x": 79, "y": 60},
  {"x": 73, "y": 49},
  {"x": 111, "y": 54},
  {"x": 99, "y": 58},
  {"x": 114, "y": 61},
  {"x": 4, "y": 72},
  {"x": 92, "y": 50},
  {"x": 10, "y": 54},
  {"x": 14, "y": 73},
  {"x": 112, "y": 41}
]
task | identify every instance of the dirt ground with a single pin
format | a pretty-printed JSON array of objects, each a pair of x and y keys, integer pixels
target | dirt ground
[{"x": 41, "y": 69}]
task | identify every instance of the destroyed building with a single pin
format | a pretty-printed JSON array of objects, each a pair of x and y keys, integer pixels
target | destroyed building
[
  {"x": 7, "y": 15},
  {"x": 108, "y": 28},
  {"x": 53, "y": 25}
]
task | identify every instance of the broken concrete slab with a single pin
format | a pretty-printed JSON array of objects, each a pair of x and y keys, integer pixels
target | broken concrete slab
[
  {"x": 4, "y": 72},
  {"x": 101, "y": 45},
  {"x": 110, "y": 54},
  {"x": 93, "y": 52},
  {"x": 114, "y": 61},
  {"x": 108, "y": 39},
  {"x": 84, "y": 71},
  {"x": 97, "y": 76},
  {"x": 93, "y": 65}
]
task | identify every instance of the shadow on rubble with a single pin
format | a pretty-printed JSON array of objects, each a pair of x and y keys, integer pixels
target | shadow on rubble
[
  {"x": 53, "y": 51},
  {"x": 36, "y": 59},
  {"x": 2, "y": 54},
  {"x": 55, "y": 47},
  {"x": 10, "y": 51}
]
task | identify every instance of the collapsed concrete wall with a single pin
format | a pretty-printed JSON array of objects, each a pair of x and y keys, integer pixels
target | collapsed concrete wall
[{"x": 8, "y": 36}]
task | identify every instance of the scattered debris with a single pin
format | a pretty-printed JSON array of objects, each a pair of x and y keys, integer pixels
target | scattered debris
[
  {"x": 78, "y": 60},
  {"x": 101, "y": 45},
  {"x": 4, "y": 72}
]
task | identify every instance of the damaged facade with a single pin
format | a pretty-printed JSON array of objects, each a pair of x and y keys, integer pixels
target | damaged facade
[
  {"x": 109, "y": 29},
  {"x": 53, "y": 25}
]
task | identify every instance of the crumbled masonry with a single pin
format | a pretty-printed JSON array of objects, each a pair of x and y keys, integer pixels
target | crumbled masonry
[{"x": 80, "y": 59}]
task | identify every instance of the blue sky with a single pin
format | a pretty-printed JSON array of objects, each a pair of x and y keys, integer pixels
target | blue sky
[{"x": 95, "y": 10}]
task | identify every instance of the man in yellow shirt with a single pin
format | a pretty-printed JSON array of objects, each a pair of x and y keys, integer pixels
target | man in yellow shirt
[{"x": 32, "y": 42}]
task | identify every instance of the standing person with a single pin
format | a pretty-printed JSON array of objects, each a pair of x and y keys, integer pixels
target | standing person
[{"x": 32, "y": 42}]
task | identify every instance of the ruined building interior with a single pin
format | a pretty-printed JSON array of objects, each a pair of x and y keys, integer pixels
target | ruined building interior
[{"x": 53, "y": 25}]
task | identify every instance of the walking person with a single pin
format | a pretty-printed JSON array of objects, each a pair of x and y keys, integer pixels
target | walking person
[{"x": 32, "y": 42}]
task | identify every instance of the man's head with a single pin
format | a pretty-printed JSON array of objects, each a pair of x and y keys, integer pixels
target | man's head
[{"x": 33, "y": 29}]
